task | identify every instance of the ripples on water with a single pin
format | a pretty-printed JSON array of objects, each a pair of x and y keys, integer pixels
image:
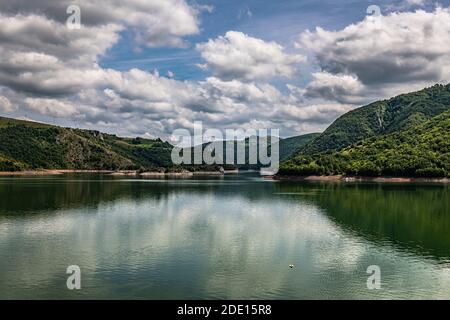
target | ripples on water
[{"x": 231, "y": 237}]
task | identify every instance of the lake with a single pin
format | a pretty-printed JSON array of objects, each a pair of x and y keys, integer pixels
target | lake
[{"x": 230, "y": 237}]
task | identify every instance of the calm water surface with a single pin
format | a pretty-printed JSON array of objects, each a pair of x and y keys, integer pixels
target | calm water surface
[{"x": 226, "y": 237}]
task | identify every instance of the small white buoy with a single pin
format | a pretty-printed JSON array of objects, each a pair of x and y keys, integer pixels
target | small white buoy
[{"x": 291, "y": 266}]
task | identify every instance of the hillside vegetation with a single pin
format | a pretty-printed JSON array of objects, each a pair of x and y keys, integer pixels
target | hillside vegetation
[
  {"x": 380, "y": 118},
  {"x": 29, "y": 145},
  {"x": 290, "y": 146},
  {"x": 287, "y": 147},
  {"x": 410, "y": 147}
]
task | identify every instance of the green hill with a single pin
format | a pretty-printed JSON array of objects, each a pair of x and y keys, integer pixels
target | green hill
[
  {"x": 287, "y": 147},
  {"x": 29, "y": 145},
  {"x": 380, "y": 118},
  {"x": 290, "y": 146},
  {"x": 422, "y": 150}
]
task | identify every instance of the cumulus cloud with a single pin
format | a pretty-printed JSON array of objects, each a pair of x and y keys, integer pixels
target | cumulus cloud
[
  {"x": 318, "y": 114},
  {"x": 239, "y": 56},
  {"x": 6, "y": 105},
  {"x": 51, "y": 107},
  {"x": 38, "y": 34},
  {"x": 342, "y": 88},
  {"x": 386, "y": 53},
  {"x": 44, "y": 57},
  {"x": 154, "y": 22}
]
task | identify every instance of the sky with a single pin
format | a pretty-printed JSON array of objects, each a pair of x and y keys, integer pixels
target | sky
[{"x": 149, "y": 67}]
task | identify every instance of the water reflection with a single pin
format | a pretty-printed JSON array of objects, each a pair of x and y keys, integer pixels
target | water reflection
[
  {"x": 414, "y": 216},
  {"x": 221, "y": 238}
]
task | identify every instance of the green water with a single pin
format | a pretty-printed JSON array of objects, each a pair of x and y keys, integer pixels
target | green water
[{"x": 231, "y": 237}]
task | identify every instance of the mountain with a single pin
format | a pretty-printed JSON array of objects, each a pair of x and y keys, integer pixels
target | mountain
[
  {"x": 380, "y": 118},
  {"x": 414, "y": 150},
  {"x": 287, "y": 147},
  {"x": 27, "y": 145}
]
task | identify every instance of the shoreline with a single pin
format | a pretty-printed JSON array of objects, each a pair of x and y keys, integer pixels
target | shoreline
[
  {"x": 335, "y": 178},
  {"x": 49, "y": 172},
  {"x": 52, "y": 172},
  {"x": 339, "y": 178},
  {"x": 165, "y": 174}
]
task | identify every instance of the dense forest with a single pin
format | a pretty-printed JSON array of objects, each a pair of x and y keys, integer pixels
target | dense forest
[
  {"x": 408, "y": 135},
  {"x": 381, "y": 117}
]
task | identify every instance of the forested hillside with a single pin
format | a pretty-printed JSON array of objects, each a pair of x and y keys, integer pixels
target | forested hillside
[
  {"x": 29, "y": 145},
  {"x": 380, "y": 118},
  {"x": 287, "y": 147},
  {"x": 421, "y": 151}
]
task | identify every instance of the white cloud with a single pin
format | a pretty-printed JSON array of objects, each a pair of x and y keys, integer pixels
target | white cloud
[
  {"x": 44, "y": 57},
  {"x": 6, "y": 105},
  {"x": 154, "y": 22},
  {"x": 239, "y": 56},
  {"x": 38, "y": 34},
  {"x": 312, "y": 113},
  {"x": 342, "y": 88},
  {"x": 387, "y": 54},
  {"x": 416, "y": 2},
  {"x": 51, "y": 107}
]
